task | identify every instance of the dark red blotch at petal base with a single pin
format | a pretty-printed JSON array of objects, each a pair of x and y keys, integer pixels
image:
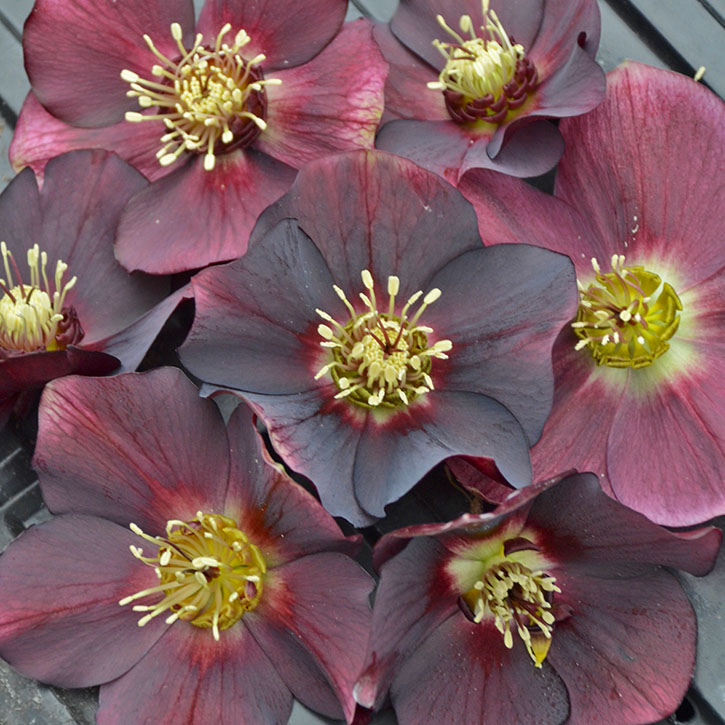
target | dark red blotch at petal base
[{"x": 630, "y": 630}]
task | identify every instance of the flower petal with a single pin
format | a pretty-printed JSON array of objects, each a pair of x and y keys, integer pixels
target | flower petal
[
  {"x": 628, "y": 650},
  {"x": 39, "y": 136},
  {"x": 464, "y": 668},
  {"x": 20, "y": 217},
  {"x": 347, "y": 76},
  {"x": 664, "y": 459},
  {"x": 117, "y": 448},
  {"x": 252, "y": 316},
  {"x": 528, "y": 294},
  {"x": 272, "y": 508},
  {"x": 585, "y": 527},
  {"x": 315, "y": 611},
  {"x": 393, "y": 455},
  {"x": 412, "y": 599},
  {"x": 75, "y": 52},
  {"x": 61, "y": 583},
  {"x": 188, "y": 677},
  {"x": 286, "y": 31},
  {"x": 406, "y": 94},
  {"x": 182, "y": 222},
  {"x": 640, "y": 140}
]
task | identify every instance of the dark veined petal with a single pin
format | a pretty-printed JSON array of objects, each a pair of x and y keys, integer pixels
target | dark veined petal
[
  {"x": 75, "y": 52},
  {"x": 192, "y": 217},
  {"x": 61, "y": 583},
  {"x": 140, "y": 448},
  {"x": 188, "y": 677}
]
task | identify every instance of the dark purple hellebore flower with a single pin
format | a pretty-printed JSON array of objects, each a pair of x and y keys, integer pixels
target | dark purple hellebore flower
[
  {"x": 376, "y": 336},
  {"x": 66, "y": 305},
  {"x": 237, "y": 592},
  {"x": 219, "y": 114},
  {"x": 471, "y": 81},
  {"x": 553, "y": 608},
  {"x": 640, "y": 375}
]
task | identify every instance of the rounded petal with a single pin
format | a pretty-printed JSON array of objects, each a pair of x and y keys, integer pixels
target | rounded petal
[
  {"x": 81, "y": 199},
  {"x": 586, "y": 527},
  {"x": 39, "y": 136},
  {"x": 182, "y": 222},
  {"x": 528, "y": 294},
  {"x": 274, "y": 511},
  {"x": 286, "y": 31},
  {"x": 331, "y": 104},
  {"x": 255, "y": 327},
  {"x": 393, "y": 455},
  {"x": 60, "y": 584},
  {"x": 315, "y": 612},
  {"x": 412, "y": 599},
  {"x": 650, "y": 195},
  {"x": 188, "y": 677},
  {"x": 500, "y": 685},
  {"x": 20, "y": 216},
  {"x": 75, "y": 51},
  {"x": 627, "y": 651},
  {"x": 406, "y": 94},
  {"x": 140, "y": 448}
]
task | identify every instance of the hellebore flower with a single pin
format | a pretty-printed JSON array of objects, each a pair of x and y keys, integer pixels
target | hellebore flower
[
  {"x": 472, "y": 81},
  {"x": 67, "y": 306},
  {"x": 237, "y": 592},
  {"x": 375, "y": 335},
  {"x": 553, "y": 608},
  {"x": 639, "y": 374},
  {"x": 219, "y": 116}
]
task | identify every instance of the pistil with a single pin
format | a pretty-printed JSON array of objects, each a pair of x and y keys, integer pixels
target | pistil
[
  {"x": 209, "y": 573},
  {"x": 34, "y": 316},
  {"x": 627, "y": 317},
  {"x": 211, "y": 100},
  {"x": 487, "y": 77},
  {"x": 381, "y": 358}
]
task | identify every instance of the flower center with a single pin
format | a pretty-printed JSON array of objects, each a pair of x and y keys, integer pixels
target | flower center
[
  {"x": 211, "y": 100},
  {"x": 381, "y": 358},
  {"x": 208, "y": 571},
  {"x": 486, "y": 77},
  {"x": 627, "y": 316},
  {"x": 33, "y": 316},
  {"x": 514, "y": 595}
]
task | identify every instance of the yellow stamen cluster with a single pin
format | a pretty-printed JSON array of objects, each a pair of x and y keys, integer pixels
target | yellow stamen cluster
[
  {"x": 626, "y": 318},
  {"x": 203, "y": 98},
  {"x": 515, "y": 595},
  {"x": 380, "y": 358},
  {"x": 209, "y": 573},
  {"x": 480, "y": 65},
  {"x": 30, "y": 314}
]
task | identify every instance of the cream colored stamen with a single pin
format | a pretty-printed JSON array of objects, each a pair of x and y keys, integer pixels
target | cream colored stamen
[{"x": 204, "y": 98}]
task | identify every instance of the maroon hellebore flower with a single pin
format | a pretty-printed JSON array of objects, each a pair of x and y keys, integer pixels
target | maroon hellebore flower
[
  {"x": 640, "y": 375},
  {"x": 237, "y": 592},
  {"x": 261, "y": 89},
  {"x": 67, "y": 306},
  {"x": 554, "y": 608},
  {"x": 376, "y": 336},
  {"x": 471, "y": 81}
]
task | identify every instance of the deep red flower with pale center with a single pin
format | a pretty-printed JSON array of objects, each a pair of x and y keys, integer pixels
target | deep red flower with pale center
[
  {"x": 219, "y": 114},
  {"x": 232, "y": 591},
  {"x": 472, "y": 82},
  {"x": 554, "y": 608},
  {"x": 376, "y": 336},
  {"x": 640, "y": 374},
  {"x": 66, "y": 305}
]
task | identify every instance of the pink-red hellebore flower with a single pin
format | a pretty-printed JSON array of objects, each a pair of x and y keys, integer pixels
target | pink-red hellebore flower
[
  {"x": 553, "y": 608},
  {"x": 219, "y": 113},
  {"x": 640, "y": 374},
  {"x": 232, "y": 591},
  {"x": 472, "y": 82}
]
